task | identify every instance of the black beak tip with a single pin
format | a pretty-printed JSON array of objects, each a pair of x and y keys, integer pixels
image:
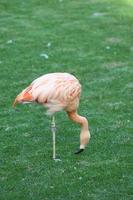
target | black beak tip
[{"x": 79, "y": 151}]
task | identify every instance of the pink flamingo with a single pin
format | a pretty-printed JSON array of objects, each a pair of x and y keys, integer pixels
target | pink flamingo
[{"x": 57, "y": 91}]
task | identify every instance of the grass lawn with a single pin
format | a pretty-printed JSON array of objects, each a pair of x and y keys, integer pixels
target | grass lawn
[{"x": 92, "y": 39}]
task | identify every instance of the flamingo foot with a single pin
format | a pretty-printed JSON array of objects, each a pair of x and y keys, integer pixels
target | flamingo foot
[
  {"x": 79, "y": 151},
  {"x": 57, "y": 159}
]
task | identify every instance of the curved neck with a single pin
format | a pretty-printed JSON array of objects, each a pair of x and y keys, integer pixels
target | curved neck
[{"x": 79, "y": 119}]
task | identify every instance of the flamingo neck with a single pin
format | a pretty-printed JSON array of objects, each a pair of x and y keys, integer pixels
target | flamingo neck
[
  {"x": 85, "y": 134},
  {"x": 79, "y": 119}
]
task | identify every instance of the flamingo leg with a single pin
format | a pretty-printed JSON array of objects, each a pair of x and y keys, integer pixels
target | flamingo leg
[{"x": 53, "y": 129}]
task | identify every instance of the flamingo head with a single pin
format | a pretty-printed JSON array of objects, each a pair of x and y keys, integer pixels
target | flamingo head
[{"x": 17, "y": 100}]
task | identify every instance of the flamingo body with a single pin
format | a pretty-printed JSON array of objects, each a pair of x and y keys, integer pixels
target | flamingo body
[{"x": 57, "y": 91}]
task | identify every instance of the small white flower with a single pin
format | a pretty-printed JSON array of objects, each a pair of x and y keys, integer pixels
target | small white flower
[
  {"x": 9, "y": 42},
  {"x": 108, "y": 47},
  {"x": 44, "y": 55},
  {"x": 98, "y": 14},
  {"x": 7, "y": 129},
  {"x": 49, "y": 44}
]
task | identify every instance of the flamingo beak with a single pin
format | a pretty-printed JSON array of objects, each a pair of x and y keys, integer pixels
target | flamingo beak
[
  {"x": 79, "y": 151},
  {"x": 15, "y": 102}
]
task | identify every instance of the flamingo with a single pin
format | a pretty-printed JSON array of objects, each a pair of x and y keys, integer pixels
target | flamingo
[{"x": 57, "y": 91}]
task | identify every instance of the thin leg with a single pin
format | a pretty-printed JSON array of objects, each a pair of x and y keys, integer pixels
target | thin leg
[{"x": 53, "y": 129}]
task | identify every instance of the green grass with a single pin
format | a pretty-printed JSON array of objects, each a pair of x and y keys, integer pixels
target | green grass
[{"x": 92, "y": 39}]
